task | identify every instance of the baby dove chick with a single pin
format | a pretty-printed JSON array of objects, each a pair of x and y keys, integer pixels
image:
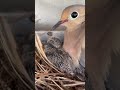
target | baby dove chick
[{"x": 57, "y": 56}]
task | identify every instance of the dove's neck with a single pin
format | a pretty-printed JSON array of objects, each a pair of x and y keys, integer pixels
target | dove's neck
[{"x": 74, "y": 41}]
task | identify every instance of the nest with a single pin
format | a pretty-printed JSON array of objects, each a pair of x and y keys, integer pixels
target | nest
[{"x": 48, "y": 77}]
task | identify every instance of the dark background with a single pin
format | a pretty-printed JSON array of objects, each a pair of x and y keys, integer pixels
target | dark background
[
  {"x": 17, "y": 5},
  {"x": 23, "y": 31}
]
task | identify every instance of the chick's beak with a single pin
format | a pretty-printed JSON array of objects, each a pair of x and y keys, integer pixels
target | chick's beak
[{"x": 59, "y": 23}]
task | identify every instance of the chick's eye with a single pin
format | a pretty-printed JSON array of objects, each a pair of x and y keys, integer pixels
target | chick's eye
[{"x": 74, "y": 15}]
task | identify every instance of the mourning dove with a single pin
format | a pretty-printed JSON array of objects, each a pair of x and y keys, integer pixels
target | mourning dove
[{"x": 73, "y": 18}]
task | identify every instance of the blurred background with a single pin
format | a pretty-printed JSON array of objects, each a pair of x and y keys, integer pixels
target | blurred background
[{"x": 16, "y": 45}]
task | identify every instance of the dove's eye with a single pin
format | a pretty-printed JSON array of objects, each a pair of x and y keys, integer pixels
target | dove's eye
[{"x": 74, "y": 15}]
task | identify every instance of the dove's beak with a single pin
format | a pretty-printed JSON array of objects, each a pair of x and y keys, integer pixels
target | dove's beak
[{"x": 59, "y": 23}]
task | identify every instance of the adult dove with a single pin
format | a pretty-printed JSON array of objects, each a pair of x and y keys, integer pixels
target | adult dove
[{"x": 73, "y": 18}]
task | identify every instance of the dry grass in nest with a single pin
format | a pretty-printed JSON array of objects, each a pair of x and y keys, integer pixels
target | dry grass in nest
[{"x": 48, "y": 77}]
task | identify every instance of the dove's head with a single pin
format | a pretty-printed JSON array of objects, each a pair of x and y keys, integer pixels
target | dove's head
[{"x": 72, "y": 16}]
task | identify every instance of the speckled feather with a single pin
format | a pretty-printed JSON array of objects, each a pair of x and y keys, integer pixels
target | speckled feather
[{"x": 61, "y": 59}]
